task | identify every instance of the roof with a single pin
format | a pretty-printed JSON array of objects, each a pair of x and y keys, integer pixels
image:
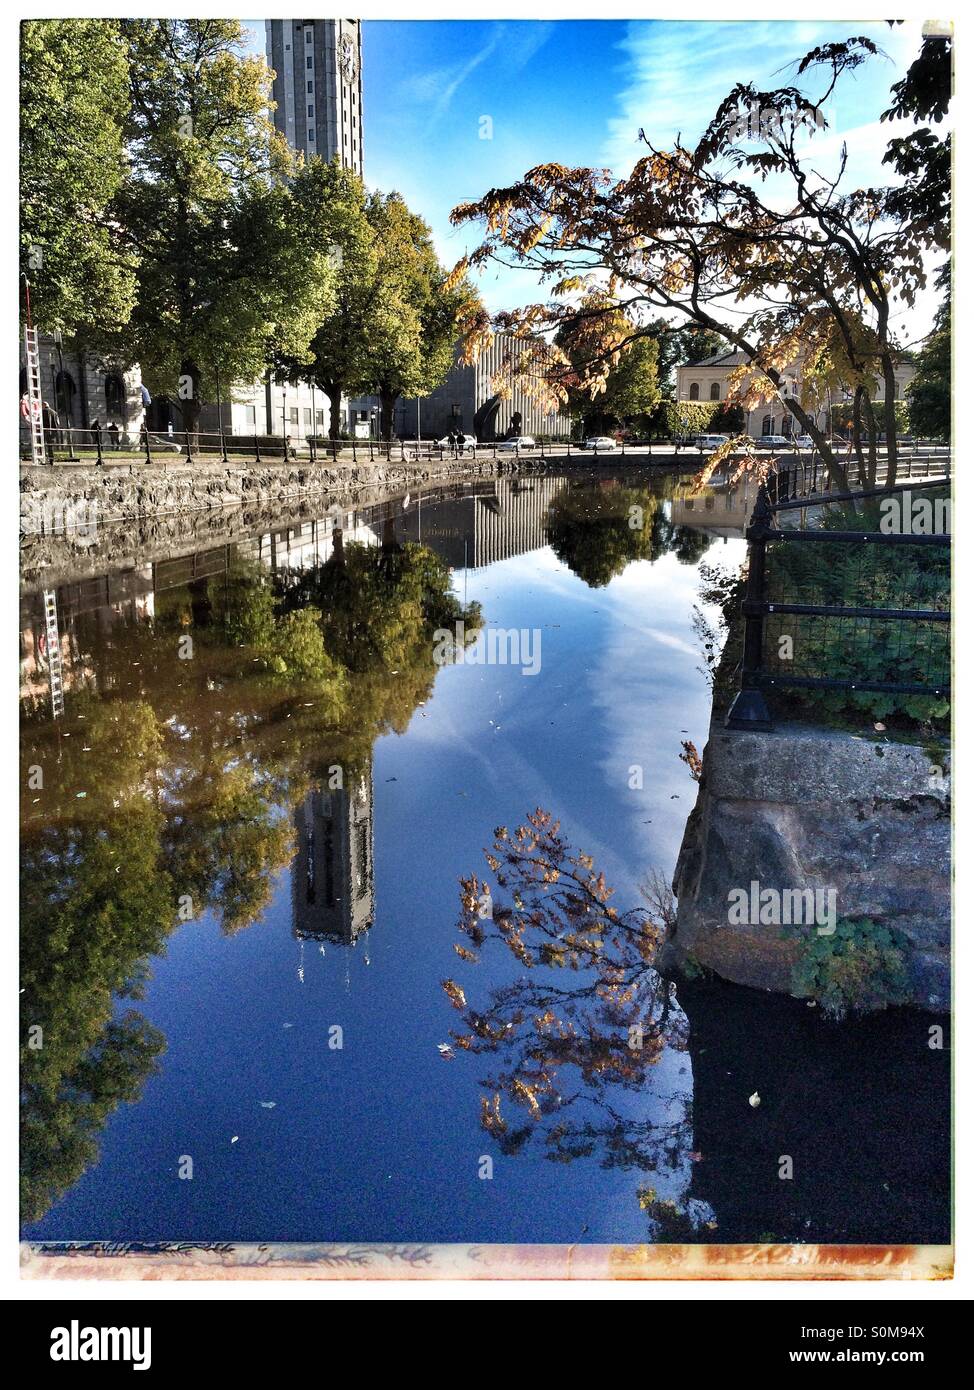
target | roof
[{"x": 734, "y": 358}]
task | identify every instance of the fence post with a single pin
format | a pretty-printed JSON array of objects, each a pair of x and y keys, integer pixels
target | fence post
[
  {"x": 189, "y": 446},
  {"x": 256, "y": 446},
  {"x": 97, "y": 429},
  {"x": 750, "y": 709},
  {"x": 148, "y": 451}
]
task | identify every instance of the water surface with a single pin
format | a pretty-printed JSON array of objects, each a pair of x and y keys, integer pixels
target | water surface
[{"x": 242, "y": 866}]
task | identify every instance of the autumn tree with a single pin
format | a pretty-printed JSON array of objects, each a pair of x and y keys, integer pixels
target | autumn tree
[{"x": 691, "y": 232}]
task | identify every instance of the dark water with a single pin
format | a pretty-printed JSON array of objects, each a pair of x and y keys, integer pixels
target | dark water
[{"x": 241, "y": 897}]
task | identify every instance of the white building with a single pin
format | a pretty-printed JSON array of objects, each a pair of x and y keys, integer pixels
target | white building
[{"x": 707, "y": 381}]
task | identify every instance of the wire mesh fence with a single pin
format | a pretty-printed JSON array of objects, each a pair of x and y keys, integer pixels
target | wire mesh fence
[{"x": 855, "y": 599}]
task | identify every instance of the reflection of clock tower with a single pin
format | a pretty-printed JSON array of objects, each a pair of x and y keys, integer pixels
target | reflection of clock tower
[{"x": 318, "y": 85}]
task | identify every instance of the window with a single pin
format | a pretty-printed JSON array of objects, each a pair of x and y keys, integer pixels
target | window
[
  {"x": 694, "y": 390},
  {"x": 311, "y": 87},
  {"x": 311, "y": 112},
  {"x": 250, "y": 415},
  {"x": 307, "y": 34},
  {"x": 311, "y": 137},
  {"x": 114, "y": 395},
  {"x": 293, "y": 414},
  {"x": 309, "y": 62},
  {"x": 715, "y": 390},
  {"x": 307, "y": 418},
  {"x": 319, "y": 419},
  {"x": 766, "y": 424}
]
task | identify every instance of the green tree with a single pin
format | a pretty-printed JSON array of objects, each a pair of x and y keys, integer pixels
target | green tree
[
  {"x": 337, "y": 358},
  {"x": 232, "y": 245},
  {"x": 73, "y": 110},
  {"x": 417, "y": 311},
  {"x": 928, "y": 394}
]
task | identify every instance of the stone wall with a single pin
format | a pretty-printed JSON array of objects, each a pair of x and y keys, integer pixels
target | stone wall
[
  {"x": 813, "y": 808},
  {"x": 62, "y": 499}
]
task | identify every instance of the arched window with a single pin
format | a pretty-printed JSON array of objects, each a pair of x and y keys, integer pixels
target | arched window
[
  {"x": 114, "y": 395},
  {"x": 694, "y": 390},
  {"x": 715, "y": 390},
  {"x": 766, "y": 423}
]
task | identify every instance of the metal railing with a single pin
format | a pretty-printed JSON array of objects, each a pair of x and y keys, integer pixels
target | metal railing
[
  {"x": 102, "y": 445},
  {"x": 864, "y": 609}
]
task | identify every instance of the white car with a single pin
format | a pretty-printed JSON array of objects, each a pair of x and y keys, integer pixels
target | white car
[
  {"x": 804, "y": 441},
  {"x": 774, "y": 441},
  {"x": 515, "y": 445},
  {"x": 601, "y": 443},
  {"x": 709, "y": 441},
  {"x": 469, "y": 442},
  {"x": 164, "y": 443}
]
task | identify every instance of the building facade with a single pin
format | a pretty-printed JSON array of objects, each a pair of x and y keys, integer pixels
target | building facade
[
  {"x": 484, "y": 399},
  {"x": 317, "y": 66},
  {"x": 708, "y": 381},
  {"x": 83, "y": 391}
]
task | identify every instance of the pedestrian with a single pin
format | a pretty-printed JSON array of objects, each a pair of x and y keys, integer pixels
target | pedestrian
[{"x": 114, "y": 436}]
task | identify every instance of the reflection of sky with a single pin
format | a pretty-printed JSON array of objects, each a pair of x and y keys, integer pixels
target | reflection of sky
[{"x": 381, "y": 1140}]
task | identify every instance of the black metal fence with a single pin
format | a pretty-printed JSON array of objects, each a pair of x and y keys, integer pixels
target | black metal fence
[{"x": 856, "y": 601}]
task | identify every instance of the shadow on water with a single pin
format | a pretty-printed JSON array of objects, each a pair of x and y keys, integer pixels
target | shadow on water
[
  {"x": 861, "y": 1107},
  {"x": 800, "y": 1129}
]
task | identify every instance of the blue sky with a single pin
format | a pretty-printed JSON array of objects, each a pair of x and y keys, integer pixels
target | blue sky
[{"x": 577, "y": 92}]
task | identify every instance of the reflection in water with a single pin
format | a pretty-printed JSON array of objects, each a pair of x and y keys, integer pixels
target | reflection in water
[
  {"x": 332, "y": 883},
  {"x": 837, "y": 1150},
  {"x": 584, "y": 1019},
  {"x": 221, "y": 727},
  {"x": 160, "y": 795}
]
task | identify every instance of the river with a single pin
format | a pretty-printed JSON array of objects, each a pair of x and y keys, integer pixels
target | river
[{"x": 244, "y": 828}]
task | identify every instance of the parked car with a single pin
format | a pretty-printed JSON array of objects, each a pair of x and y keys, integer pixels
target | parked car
[
  {"x": 164, "y": 443},
  {"x": 804, "y": 441},
  {"x": 469, "y": 443},
  {"x": 515, "y": 445},
  {"x": 708, "y": 441},
  {"x": 602, "y": 443},
  {"x": 774, "y": 441}
]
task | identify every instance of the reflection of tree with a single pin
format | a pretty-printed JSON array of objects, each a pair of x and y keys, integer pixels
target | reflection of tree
[
  {"x": 577, "y": 1030},
  {"x": 95, "y": 901},
  {"x": 597, "y": 531},
  {"x": 170, "y": 796}
]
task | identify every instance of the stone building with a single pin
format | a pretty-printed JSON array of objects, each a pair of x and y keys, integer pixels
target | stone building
[
  {"x": 83, "y": 390},
  {"x": 708, "y": 381}
]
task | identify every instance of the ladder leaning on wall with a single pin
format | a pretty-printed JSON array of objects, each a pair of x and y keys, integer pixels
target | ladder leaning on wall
[{"x": 35, "y": 404}]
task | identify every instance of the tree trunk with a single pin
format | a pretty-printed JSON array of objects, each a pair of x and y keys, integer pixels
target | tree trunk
[
  {"x": 889, "y": 418},
  {"x": 836, "y": 470},
  {"x": 871, "y": 431},
  {"x": 334, "y": 394},
  {"x": 387, "y": 405},
  {"x": 857, "y": 431},
  {"x": 190, "y": 402}
]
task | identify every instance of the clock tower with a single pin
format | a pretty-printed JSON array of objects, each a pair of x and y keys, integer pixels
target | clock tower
[{"x": 318, "y": 86}]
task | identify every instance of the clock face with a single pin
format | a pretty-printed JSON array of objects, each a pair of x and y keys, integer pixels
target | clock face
[{"x": 346, "y": 57}]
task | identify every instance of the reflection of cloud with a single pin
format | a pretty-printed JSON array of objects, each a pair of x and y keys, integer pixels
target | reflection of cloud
[{"x": 516, "y": 45}]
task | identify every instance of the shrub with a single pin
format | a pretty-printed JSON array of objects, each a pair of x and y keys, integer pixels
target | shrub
[{"x": 860, "y": 968}]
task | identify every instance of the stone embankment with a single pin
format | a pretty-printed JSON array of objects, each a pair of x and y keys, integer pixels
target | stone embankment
[
  {"x": 864, "y": 819},
  {"x": 60, "y": 499}
]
